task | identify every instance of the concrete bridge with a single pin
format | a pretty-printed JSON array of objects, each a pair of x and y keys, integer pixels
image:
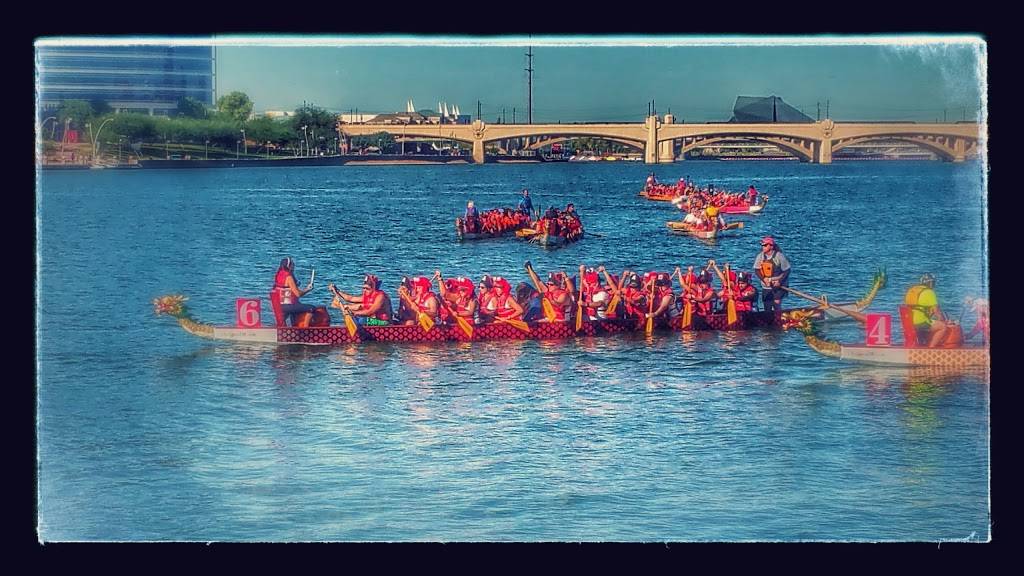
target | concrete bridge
[{"x": 662, "y": 140}]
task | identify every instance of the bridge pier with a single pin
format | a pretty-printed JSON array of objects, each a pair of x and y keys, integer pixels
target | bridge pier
[
  {"x": 823, "y": 151},
  {"x": 651, "y": 147},
  {"x": 959, "y": 150},
  {"x": 478, "y": 151}
]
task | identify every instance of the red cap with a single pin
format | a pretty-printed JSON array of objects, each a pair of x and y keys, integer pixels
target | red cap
[
  {"x": 591, "y": 277},
  {"x": 422, "y": 283},
  {"x": 501, "y": 282},
  {"x": 768, "y": 240}
]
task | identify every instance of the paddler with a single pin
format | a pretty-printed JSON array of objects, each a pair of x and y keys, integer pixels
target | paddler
[
  {"x": 486, "y": 293},
  {"x": 715, "y": 221},
  {"x": 458, "y": 293},
  {"x": 424, "y": 299},
  {"x": 633, "y": 297},
  {"x": 772, "y": 267},
  {"x": 663, "y": 294},
  {"x": 289, "y": 293},
  {"x": 981, "y": 326},
  {"x": 700, "y": 293},
  {"x": 752, "y": 195},
  {"x": 529, "y": 300},
  {"x": 404, "y": 314},
  {"x": 503, "y": 304},
  {"x": 372, "y": 306},
  {"x": 554, "y": 292},
  {"x": 594, "y": 296},
  {"x": 739, "y": 284},
  {"x": 930, "y": 324}
]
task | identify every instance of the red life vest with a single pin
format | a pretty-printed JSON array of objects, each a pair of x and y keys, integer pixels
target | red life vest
[
  {"x": 370, "y": 296},
  {"x": 552, "y": 295},
  {"x": 502, "y": 309},
  {"x": 281, "y": 285},
  {"x": 700, "y": 291},
  {"x": 422, "y": 300}
]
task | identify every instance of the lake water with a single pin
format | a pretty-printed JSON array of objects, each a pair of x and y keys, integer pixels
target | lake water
[{"x": 148, "y": 433}]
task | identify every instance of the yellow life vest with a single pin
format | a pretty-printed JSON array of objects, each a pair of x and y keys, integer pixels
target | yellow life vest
[{"x": 922, "y": 302}]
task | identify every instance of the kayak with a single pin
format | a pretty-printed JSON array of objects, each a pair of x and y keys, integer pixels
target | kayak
[
  {"x": 336, "y": 335},
  {"x": 960, "y": 357},
  {"x": 680, "y": 226}
]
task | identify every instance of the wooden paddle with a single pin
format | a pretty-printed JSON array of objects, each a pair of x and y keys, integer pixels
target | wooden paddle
[
  {"x": 579, "y": 302},
  {"x": 426, "y": 322},
  {"x": 730, "y": 307},
  {"x": 650, "y": 312},
  {"x": 549, "y": 309},
  {"x": 462, "y": 322},
  {"x": 350, "y": 324},
  {"x": 851, "y": 313},
  {"x": 515, "y": 323},
  {"x": 688, "y": 304},
  {"x": 616, "y": 292}
]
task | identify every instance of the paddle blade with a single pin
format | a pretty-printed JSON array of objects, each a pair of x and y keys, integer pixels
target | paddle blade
[
  {"x": 730, "y": 314},
  {"x": 650, "y": 325},
  {"x": 426, "y": 322},
  {"x": 579, "y": 318},
  {"x": 465, "y": 325},
  {"x": 520, "y": 325},
  {"x": 351, "y": 325},
  {"x": 688, "y": 315},
  {"x": 549, "y": 310},
  {"x": 613, "y": 305}
]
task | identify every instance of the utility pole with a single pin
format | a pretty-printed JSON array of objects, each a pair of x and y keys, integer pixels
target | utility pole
[
  {"x": 819, "y": 111},
  {"x": 478, "y": 116},
  {"x": 513, "y": 115},
  {"x": 827, "y": 101},
  {"x": 943, "y": 115},
  {"x": 503, "y": 115},
  {"x": 963, "y": 115},
  {"x": 529, "y": 81}
]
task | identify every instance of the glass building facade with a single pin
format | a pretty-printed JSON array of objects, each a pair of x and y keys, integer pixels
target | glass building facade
[{"x": 147, "y": 79}]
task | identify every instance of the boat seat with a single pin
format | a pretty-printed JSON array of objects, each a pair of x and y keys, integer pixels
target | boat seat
[{"x": 909, "y": 334}]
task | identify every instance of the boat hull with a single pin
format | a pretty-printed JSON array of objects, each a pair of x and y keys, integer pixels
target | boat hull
[{"x": 962, "y": 357}]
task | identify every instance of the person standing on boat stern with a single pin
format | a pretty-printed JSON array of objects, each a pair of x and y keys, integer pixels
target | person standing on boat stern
[
  {"x": 752, "y": 195},
  {"x": 930, "y": 324},
  {"x": 772, "y": 267},
  {"x": 526, "y": 204},
  {"x": 372, "y": 307},
  {"x": 289, "y": 292},
  {"x": 471, "y": 218}
]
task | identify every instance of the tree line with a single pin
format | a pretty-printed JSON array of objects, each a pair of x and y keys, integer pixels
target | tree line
[{"x": 194, "y": 123}]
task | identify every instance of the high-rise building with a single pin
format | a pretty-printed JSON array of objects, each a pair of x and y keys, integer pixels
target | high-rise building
[{"x": 146, "y": 79}]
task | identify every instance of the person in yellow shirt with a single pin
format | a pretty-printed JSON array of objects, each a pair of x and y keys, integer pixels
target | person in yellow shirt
[{"x": 930, "y": 324}]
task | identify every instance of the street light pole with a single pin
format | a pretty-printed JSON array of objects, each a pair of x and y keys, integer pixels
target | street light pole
[
  {"x": 305, "y": 138},
  {"x": 96, "y": 140},
  {"x": 206, "y": 150},
  {"x": 245, "y": 143}
]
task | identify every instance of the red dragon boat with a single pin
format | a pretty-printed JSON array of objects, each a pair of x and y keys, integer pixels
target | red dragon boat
[{"x": 340, "y": 334}]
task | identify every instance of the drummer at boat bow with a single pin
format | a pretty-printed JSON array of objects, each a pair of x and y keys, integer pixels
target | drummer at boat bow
[
  {"x": 772, "y": 267},
  {"x": 930, "y": 324},
  {"x": 289, "y": 293},
  {"x": 372, "y": 306}
]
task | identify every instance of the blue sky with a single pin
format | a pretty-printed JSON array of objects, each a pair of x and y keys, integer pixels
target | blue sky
[{"x": 599, "y": 83}]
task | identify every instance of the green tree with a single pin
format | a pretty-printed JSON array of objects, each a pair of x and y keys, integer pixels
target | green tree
[
  {"x": 269, "y": 130},
  {"x": 136, "y": 127},
  {"x": 383, "y": 140},
  {"x": 77, "y": 111},
  {"x": 235, "y": 105},
  {"x": 100, "y": 107},
  {"x": 321, "y": 125},
  {"x": 189, "y": 107}
]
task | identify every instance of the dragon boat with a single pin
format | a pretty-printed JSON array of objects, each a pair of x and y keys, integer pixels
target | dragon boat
[
  {"x": 733, "y": 209},
  {"x": 546, "y": 240},
  {"x": 704, "y": 234},
  {"x": 659, "y": 197},
  {"x": 339, "y": 334},
  {"x": 955, "y": 354},
  {"x": 461, "y": 234}
]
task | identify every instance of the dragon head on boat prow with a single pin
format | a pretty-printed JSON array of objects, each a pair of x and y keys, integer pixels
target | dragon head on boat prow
[
  {"x": 802, "y": 322},
  {"x": 174, "y": 305}
]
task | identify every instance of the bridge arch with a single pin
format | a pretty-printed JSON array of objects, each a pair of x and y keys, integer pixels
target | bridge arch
[
  {"x": 804, "y": 152},
  {"x": 935, "y": 145},
  {"x": 556, "y": 139}
]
